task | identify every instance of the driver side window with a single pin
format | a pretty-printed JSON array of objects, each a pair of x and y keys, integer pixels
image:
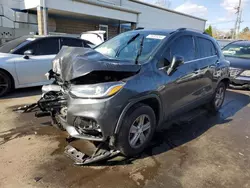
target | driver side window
[
  {"x": 32, "y": 47},
  {"x": 45, "y": 46},
  {"x": 183, "y": 46}
]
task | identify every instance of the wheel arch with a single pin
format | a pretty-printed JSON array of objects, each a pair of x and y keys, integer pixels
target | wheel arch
[
  {"x": 151, "y": 100},
  {"x": 11, "y": 77},
  {"x": 226, "y": 81}
]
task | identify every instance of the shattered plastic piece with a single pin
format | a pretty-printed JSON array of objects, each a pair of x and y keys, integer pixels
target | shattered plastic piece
[
  {"x": 26, "y": 108},
  {"x": 83, "y": 159},
  {"x": 241, "y": 154},
  {"x": 37, "y": 179}
]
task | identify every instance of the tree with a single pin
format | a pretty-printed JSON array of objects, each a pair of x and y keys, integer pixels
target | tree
[
  {"x": 245, "y": 34},
  {"x": 246, "y": 30},
  {"x": 209, "y": 30}
]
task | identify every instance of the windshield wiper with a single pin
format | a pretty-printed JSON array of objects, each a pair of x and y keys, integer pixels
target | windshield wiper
[
  {"x": 130, "y": 40},
  {"x": 139, "y": 51}
]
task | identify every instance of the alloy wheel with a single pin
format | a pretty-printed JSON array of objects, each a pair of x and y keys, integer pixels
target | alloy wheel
[
  {"x": 139, "y": 131},
  {"x": 219, "y": 97}
]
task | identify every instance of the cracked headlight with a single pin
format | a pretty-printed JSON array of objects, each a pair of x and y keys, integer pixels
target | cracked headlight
[
  {"x": 96, "y": 90},
  {"x": 245, "y": 73},
  {"x": 234, "y": 72}
]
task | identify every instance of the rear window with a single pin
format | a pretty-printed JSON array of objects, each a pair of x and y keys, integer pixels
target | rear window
[{"x": 206, "y": 48}]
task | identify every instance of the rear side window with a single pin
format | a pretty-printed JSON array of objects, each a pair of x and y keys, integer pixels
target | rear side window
[
  {"x": 47, "y": 46},
  {"x": 205, "y": 48},
  {"x": 183, "y": 46},
  {"x": 71, "y": 42}
]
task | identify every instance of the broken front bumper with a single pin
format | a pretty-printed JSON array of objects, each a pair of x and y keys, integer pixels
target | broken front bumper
[
  {"x": 241, "y": 82},
  {"x": 93, "y": 119}
]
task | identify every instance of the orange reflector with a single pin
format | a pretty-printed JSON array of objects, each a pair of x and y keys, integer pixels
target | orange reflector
[{"x": 114, "y": 90}]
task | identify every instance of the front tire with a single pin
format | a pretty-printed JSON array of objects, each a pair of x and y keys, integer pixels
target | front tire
[
  {"x": 137, "y": 130},
  {"x": 5, "y": 83},
  {"x": 218, "y": 98}
]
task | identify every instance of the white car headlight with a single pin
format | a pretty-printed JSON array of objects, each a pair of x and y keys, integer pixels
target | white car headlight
[
  {"x": 96, "y": 90},
  {"x": 234, "y": 71},
  {"x": 245, "y": 73}
]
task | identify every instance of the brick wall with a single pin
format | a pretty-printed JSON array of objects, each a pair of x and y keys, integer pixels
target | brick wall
[{"x": 71, "y": 26}]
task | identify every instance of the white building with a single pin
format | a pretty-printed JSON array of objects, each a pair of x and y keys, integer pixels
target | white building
[{"x": 19, "y": 17}]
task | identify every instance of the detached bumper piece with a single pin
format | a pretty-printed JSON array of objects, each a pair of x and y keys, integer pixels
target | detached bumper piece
[
  {"x": 101, "y": 154},
  {"x": 26, "y": 108}
]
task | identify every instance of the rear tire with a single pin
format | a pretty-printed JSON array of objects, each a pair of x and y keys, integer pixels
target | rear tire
[
  {"x": 218, "y": 98},
  {"x": 5, "y": 83},
  {"x": 137, "y": 130}
]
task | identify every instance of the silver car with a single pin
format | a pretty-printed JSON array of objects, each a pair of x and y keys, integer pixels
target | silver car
[{"x": 25, "y": 60}]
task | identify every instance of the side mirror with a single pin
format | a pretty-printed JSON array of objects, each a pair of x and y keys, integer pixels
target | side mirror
[
  {"x": 27, "y": 53},
  {"x": 163, "y": 64},
  {"x": 176, "y": 62}
]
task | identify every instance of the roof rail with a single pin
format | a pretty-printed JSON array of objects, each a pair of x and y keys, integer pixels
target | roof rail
[
  {"x": 195, "y": 30},
  {"x": 205, "y": 33},
  {"x": 139, "y": 28},
  {"x": 182, "y": 29}
]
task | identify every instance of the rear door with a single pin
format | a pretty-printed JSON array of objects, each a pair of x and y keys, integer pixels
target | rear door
[
  {"x": 31, "y": 71},
  {"x": 179, "y": 88},
  {"x": 207, "y": 61}
]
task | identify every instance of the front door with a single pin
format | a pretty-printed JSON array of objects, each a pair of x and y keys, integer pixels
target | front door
[
  {"x": 180, "y": 87},
  {"x": 31, "y": 71}
]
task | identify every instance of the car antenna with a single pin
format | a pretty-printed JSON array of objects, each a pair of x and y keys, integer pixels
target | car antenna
[{"x": 140, "y": 50}]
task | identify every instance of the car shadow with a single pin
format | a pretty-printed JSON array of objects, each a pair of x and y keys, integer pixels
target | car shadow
[
  {"x": 180, "y": 133},
  {"x": 23, "y": 92}
]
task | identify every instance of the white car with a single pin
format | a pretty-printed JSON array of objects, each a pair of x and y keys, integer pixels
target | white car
[
  {"x": 25, "y": 60},
  {"x": 95, "y": 37}
]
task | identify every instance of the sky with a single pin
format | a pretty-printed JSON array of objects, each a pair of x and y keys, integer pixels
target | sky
[{"x": 218, "y": 13}]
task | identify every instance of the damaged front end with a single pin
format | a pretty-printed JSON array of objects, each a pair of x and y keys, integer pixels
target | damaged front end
[
  {"x": 52, "y": 103},
  {"x": 77, "y": 101},
  {"x": 92, "y": 80}
]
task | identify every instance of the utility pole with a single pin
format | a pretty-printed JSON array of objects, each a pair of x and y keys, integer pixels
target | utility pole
[{"x": 238, "y": 20}]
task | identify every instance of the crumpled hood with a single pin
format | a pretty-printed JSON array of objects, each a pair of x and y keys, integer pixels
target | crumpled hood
[{"x": 74, "y": 62}]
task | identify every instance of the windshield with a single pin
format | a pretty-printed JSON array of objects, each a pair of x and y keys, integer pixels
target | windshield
[
  {"x": 10, "y": 46},
  {"x": 237, "y": 50},
  {"x": 126, "y": 46}
]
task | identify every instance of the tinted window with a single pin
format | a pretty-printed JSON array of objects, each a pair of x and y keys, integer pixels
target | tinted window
[
  {"x": 71, "y": 42},
  {"x": 47, "y": 46},
  {"x": 183, "y": 46},
  {"x": 32, "y": 47},
  {"x": 205, "y": 47}
]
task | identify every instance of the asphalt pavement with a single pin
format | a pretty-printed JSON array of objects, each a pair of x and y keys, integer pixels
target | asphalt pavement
[{"x": 209, "y": 151}]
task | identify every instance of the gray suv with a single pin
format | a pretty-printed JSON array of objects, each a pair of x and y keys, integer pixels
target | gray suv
[{"x": 123, "y": 90}]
